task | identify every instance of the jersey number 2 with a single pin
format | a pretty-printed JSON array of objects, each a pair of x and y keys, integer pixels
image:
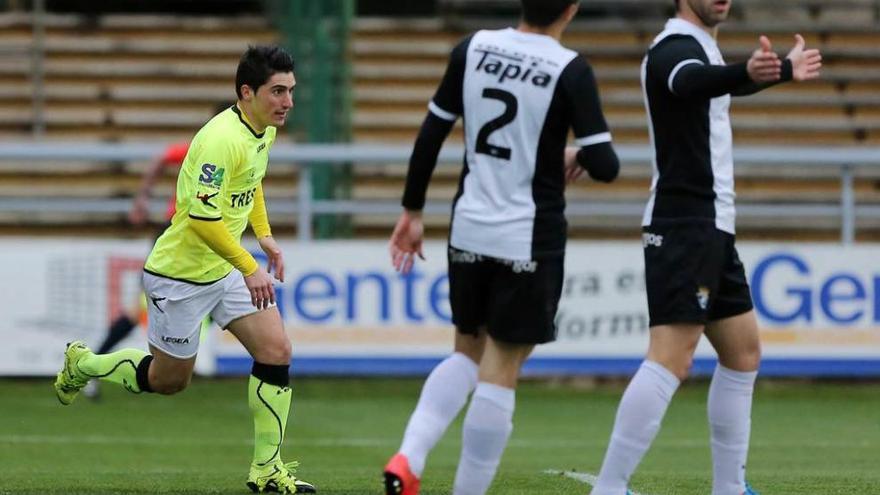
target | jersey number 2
[{"x": 510, "y": 108}]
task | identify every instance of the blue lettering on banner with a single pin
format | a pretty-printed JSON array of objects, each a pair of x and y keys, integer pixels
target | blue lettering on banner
[
  {"x": 353, "y": 281},
  {"x": 409, "y": 282},
  {"x": 841, "y": 297},
  {"x": 850, "y": 289},
  {"x": 319, "y": 287},
  {"x": 354, "y": 296},
  {"x": 800, "y": 294},
  {"x": 440, "y": 298}
]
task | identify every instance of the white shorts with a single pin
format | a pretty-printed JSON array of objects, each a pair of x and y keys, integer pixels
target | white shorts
[{"x": 175, "y": 310}]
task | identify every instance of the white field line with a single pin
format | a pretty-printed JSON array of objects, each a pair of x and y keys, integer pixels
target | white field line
[
  {"x": 374, "y": 442},
  {"x": 109, "y": 439},
  {"x": 587, "y": 478}
]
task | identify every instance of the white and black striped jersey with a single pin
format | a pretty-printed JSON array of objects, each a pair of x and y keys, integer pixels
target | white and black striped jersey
[
  {"x": 687, "y": 89},
  {"x": 519, "y": 94}
]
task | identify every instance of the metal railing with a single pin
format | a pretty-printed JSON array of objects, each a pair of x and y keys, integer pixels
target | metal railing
[{"x": 306, "y": 157}]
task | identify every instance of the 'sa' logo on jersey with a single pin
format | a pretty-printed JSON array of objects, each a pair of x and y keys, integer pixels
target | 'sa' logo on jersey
[
  {"x": 206, "y": 199},
  {"x": 512, "y": 67},
  {"x": 261, "y": 147},
  {"x": 212, "y": 175}
]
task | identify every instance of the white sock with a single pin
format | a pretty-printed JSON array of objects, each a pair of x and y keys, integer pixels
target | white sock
[
  {"x": 444, "y": 394},
  {"x": 730, "y": 421},
  {"x": 487, "y": 427},
  {"x": 638, "y": 420}
]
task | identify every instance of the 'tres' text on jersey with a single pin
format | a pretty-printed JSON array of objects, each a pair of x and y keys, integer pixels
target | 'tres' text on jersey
[{"x": 242, "y": 199}]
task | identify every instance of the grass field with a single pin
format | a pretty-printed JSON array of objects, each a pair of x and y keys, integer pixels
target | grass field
[{"x": 807, "y": 439}]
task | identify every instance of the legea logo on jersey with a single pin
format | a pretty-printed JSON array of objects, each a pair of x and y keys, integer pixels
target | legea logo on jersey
[
  {"x": 212, "y": 175},
  {"x": 512, "y": 67}
]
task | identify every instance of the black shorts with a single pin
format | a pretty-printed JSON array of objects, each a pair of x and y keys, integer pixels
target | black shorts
[
  {"x": 692, "y": 273},
  {"x": 515, "y": 300}
]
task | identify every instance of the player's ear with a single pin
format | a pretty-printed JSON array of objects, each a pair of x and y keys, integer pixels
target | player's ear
[{"x": 247, "y": 94}]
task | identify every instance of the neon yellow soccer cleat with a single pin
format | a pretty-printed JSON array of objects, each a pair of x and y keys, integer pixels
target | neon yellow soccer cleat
[
  {"x": 70, "y": 380},
  {"x": 278, "y": 478}
]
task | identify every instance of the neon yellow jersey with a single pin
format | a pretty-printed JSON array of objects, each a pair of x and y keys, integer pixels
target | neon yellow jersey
[{"x": 226, "y": 161}]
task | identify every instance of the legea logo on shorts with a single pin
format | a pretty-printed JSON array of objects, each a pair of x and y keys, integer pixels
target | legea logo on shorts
[
  {"x": 175, "y": 340},
  {"x": 649, "y": 239}
]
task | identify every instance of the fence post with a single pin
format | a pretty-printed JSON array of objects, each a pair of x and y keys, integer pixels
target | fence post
[
  {"x": 38, "y": 73},
  {"x": 304, "y": 203},
  {"x": 318, "y": 33},
  {"x": 847, "y": 205}
]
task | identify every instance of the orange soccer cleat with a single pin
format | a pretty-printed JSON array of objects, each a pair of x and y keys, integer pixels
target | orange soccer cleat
[{"x": 399, "y": 479}]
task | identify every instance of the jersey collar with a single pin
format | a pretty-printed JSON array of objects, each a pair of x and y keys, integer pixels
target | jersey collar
[
  {"x": 243, "y": 120},
  {"x": 681, "y": 26},
  {"x": 524, "y": 36}
]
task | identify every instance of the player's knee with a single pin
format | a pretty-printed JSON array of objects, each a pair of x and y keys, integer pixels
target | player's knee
[
  {"x": 753, "y": 355},
  {"x": 276, "y": 352},
  {"x": 170, "y": 385},
  {"x": 682, "y": 367},
  {"x": 747, "y": 359}
]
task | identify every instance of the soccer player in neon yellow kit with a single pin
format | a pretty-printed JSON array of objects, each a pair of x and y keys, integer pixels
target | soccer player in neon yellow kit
[{"x": 198, "y": 268}]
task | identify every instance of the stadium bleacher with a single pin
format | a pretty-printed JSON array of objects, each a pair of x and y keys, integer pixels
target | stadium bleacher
[{"x": 157, "y": 78}]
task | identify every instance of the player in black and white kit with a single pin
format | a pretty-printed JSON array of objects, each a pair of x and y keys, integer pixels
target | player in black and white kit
[
  {"x": 695, "y": 281},
  {"x": 519, "y": 92}
]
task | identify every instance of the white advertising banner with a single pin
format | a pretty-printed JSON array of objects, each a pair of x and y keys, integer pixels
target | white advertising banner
[{"x": 348, "y": 312}]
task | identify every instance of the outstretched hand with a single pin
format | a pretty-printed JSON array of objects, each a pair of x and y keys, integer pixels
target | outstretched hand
[
  {"x": 406, "y": 241},
  {"x": 805, "y": 64},
  {"x": 764, "y": 65}
]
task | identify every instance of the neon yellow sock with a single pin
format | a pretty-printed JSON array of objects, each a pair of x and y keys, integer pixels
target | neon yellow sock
[
  {"x": 270, "y": 405},
  {"x": 118, "y": 367}
]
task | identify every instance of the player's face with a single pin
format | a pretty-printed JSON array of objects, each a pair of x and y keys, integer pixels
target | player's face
[
  {"x": 274, "y": 100},
  {"x": 710, "y": 12}
]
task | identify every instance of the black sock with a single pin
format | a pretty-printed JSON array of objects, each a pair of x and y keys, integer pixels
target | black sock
[
  {"x": 143, "y": 374},
  {"x": 273, "y": 374}
]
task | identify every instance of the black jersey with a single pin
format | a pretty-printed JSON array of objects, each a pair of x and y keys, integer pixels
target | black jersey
[{"x": 519, "y": 94}]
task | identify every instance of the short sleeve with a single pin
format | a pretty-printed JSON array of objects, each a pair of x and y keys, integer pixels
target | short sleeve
[{"x": 213, "y": 164}]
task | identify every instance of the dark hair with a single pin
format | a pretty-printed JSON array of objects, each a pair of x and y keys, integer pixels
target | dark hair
[
  {"x": 259, "y": 63},
  {"x": 542, "y": 13},
  {"x": 675, "y": 4}
]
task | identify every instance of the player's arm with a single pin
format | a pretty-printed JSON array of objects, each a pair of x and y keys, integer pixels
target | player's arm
[
  {"x": 679, "y": 62},
  {"x": 173, "y": 155},
  {"x": 207, "y": 174},
  {"x": 443, "y": 111},
  {"x": 215, "y": 235},
  {"x": 259, "y": 221},
  {"x": 594, "y": 153},
  {"x": 207, "y": 171},
  {"x": 258, "y": 218}
]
